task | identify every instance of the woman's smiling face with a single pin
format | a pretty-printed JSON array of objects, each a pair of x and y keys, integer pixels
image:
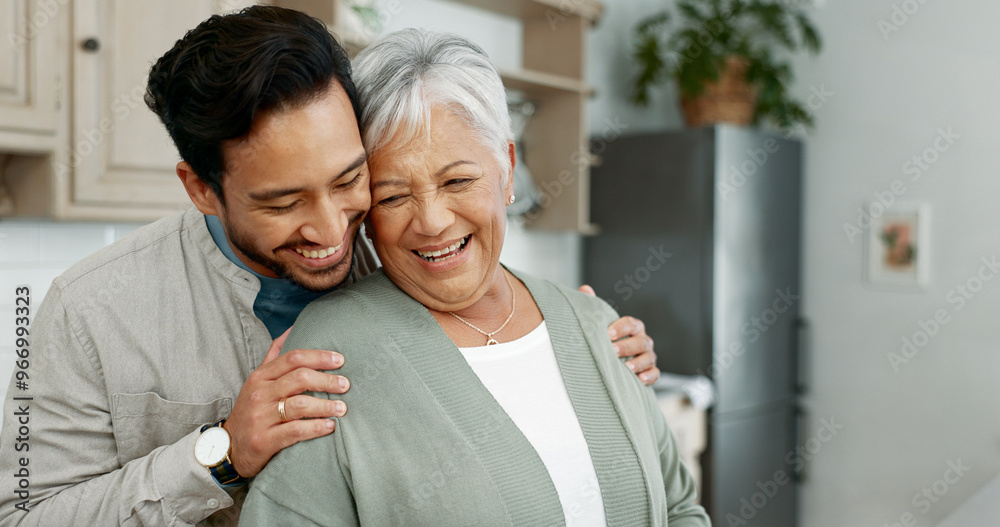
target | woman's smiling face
[{"x": 438, "y": 213}]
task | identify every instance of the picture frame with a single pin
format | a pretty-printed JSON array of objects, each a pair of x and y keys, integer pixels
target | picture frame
[{"x": 898, "y": 248}]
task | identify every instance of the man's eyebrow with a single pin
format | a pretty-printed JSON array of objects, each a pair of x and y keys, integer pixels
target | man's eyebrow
[{"x": 268, "y": 195}]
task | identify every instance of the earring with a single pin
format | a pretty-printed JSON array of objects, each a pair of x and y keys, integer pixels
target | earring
[{"x": 512, "y": 200}]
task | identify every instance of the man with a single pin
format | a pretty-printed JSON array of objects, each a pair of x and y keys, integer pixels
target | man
[{"x": 157, "y": 388}]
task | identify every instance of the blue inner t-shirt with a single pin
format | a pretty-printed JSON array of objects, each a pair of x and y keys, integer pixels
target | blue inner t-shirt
[{"x": 279, "y": 301}]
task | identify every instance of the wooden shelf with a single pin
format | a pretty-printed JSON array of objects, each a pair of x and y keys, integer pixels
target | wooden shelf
[
  {"x": 539, "y": 83},
  {"x": 554, "y": 10}
]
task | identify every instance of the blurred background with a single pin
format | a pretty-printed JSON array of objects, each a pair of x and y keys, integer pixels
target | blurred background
[{"x": 889, "y": 376}]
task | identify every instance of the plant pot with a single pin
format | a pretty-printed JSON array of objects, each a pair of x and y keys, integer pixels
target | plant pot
[{"x": 730, "y": 100}]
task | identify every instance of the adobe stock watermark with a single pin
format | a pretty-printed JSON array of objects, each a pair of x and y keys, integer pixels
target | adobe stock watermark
[
  {"x": 91, "y": 138},
  {"x": 958, "y": 297},
  {"x": 46, "y": 11},
  {"x": 925, "y": 499},
  {"x": 632, "y": 282},
  {"x": 738, "y": 174},
  {"x": 915, "y": 167},
  {"x": 796, "y": 458},
  {"x": 753, "y": 330},
  {"x": 901, "y": 13},
  {"x": 553, "y": 188}
]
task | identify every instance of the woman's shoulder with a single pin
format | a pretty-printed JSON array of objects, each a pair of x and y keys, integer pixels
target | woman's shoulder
[
  {"x": 551, "y": 294},
  {"x": 345, "y": 317},
  {"x": 347, "y": 300}
]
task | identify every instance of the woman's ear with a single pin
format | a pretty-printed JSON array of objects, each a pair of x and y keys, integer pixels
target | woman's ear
[
  {"x": 201, "y": 194},
  {"x": 512, "y": 152}
]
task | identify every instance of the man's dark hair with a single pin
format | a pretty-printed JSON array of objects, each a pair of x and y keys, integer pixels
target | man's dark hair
[{"x": 212, "y": 84}]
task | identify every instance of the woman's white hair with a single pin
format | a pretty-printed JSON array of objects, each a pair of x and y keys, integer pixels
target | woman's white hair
[{"x": 405, "y": 74}]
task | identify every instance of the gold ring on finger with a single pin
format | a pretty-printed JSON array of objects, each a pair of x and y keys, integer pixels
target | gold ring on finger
[{"x": 281, "y": 410}]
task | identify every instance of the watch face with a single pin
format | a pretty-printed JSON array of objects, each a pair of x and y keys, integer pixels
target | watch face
[{"x": 212, "y": 446}]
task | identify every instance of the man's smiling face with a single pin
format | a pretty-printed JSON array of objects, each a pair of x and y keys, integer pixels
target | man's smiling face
[{"x": 296, "y": 192}]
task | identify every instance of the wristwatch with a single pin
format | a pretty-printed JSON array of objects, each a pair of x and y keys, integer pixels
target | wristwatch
[{"x": 211, "y": 449}]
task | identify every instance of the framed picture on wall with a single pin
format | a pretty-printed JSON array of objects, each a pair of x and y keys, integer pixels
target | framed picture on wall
[{"x": 899, "y": 246}]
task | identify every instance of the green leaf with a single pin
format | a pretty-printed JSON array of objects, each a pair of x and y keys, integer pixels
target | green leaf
[
  {"x": 652, "y": 24},
  {"x": 810, "y": 37},
  {"x": 647, "y": 53},
  {"x": 691, "y": 12}
]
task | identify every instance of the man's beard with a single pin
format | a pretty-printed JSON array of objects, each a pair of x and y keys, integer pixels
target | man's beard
[{"x": 318, "y": 280}]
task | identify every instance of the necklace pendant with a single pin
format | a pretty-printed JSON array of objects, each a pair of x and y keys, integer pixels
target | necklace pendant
[{"x": 491, "y": 341}]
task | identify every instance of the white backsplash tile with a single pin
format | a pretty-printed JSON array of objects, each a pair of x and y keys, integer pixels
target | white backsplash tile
[
  {"x": 69, "y": 242},
  {"x": 124, "y": 229},
  {"x": 18, "y": 242}
]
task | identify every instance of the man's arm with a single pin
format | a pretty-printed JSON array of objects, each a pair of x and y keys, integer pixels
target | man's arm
[
  {"x": 631, "y": 341},
  {"x": 70, "y": 454},
  {"x": 74, "y": 474}
]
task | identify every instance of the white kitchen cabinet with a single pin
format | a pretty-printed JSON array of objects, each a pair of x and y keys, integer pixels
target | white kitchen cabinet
[
  {"x": 120, "y": 157},
  {"x": 29, "y": 77}
]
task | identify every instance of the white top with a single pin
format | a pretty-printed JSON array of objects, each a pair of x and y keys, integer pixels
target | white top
[{"x": 524, "y": 378}]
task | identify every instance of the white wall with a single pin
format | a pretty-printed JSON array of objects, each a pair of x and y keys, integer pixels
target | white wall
[{"x": 901, "y": 429}]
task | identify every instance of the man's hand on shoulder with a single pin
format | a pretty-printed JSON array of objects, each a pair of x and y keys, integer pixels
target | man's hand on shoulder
[
  {"x": 256, "y": 425},
  {"x": 628, "y": 335}
]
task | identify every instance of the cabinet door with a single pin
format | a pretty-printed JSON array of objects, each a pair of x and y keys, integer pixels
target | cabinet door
[
  {"x": 120, "y": 154},
  {"x": 28, "y": 65}
]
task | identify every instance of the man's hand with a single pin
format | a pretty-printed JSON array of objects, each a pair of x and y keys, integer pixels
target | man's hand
[
  {"x": 255, "y": 425},
  {"x": 628, "y": 335}
]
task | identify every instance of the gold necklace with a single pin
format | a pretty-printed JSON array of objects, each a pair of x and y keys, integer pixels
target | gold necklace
[{"x": 489, "y": 336}]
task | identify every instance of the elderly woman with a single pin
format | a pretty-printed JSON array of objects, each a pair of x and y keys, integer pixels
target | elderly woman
[{"x": 513, "y": 409}]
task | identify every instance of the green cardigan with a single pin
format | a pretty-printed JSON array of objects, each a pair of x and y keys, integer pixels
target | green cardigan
[{"x": 425, "y": 443}]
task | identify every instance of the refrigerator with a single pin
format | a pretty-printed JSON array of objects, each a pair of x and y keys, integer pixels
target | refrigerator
[{"x": 699, "y": 237}]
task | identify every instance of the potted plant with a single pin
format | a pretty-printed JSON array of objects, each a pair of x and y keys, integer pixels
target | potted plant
[{"x": 727, "y": 59}]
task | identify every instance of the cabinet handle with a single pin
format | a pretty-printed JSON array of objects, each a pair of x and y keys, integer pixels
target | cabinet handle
[
  {"x": 91, "y": 45},
  {"x": 798, "y": 435}
]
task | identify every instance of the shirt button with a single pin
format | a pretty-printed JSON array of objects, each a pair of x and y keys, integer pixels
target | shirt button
[{"x": 213, "y": 503}]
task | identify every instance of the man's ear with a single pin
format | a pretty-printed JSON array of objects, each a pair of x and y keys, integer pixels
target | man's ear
[{"x": 201, "y": 194}]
